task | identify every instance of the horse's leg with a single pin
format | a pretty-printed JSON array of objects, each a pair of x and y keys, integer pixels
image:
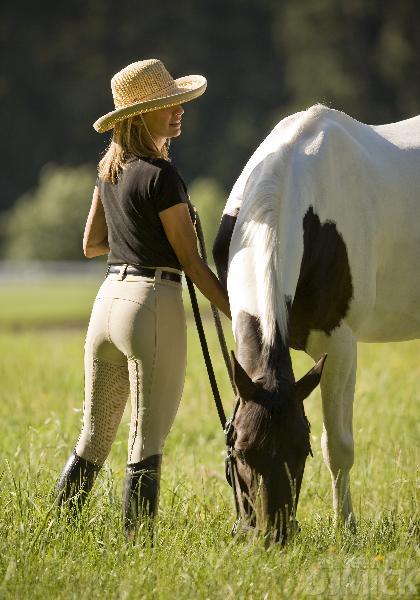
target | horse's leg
[{"x": 337, "y": 389}]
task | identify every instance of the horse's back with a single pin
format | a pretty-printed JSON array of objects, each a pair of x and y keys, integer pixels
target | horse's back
[
  {"x": 373, "y": 175},
  {"x": 363, "y": 178},
  {"x": 388, "y": 154},
  {"x": 366, "y": 180},
  {"x": 405, "y": 135}
]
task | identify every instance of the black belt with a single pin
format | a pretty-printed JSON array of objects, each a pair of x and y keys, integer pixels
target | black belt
[{"x": 144, "y": 272}]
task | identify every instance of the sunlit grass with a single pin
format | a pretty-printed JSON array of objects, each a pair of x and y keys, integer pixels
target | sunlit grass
[{"x": 194, "y": 556}]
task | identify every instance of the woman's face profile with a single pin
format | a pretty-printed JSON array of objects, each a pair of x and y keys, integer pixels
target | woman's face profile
[{"x": 165, "y": 122}]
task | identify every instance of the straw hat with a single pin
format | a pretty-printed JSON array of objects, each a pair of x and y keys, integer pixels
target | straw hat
[{"x": 144, "y": 86}]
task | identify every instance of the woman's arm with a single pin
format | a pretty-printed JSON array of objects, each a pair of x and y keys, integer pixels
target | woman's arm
[
  {"x": 95, "y": 239},
  {"x": 180, "y": 232}
]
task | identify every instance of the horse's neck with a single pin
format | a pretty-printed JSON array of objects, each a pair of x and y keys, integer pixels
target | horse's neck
[
  {"x": 274, "y": 366},
  {"x": 278, "y": 366}
]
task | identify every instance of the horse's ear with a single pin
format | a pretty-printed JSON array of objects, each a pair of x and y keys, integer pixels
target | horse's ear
[
  {"x": 243, "y": 382},
  {"x": 308, "y": 383}
]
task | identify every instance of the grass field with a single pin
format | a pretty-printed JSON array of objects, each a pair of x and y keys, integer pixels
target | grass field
[{"x": 41, "y": 349}]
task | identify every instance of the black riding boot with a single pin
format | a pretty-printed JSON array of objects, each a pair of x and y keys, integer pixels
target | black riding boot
[
  {"x": 75, "y": 482},
  {"x": 141, "y": 493}
]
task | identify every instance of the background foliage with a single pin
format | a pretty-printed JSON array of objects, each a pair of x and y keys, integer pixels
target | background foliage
[
  {"x": 263, "y": 59},
  {"x": 49, "y": 222}
]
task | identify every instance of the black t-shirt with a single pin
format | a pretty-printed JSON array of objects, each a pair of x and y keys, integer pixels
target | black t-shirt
[{"x": 136, "y": 236}]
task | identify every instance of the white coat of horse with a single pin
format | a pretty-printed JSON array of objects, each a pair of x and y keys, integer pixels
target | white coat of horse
[{"x": 364, "y": 181}]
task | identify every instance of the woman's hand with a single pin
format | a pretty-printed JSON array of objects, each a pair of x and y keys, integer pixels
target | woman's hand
[
  {"x": 95, "y": 238},
  {"x": 180, "y": 232}
]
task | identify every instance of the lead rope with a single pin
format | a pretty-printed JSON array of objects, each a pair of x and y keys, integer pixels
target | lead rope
[
  {"x": 214, "y": 309},
  {"x": 206, "y": 354},
  {"x": 231, "y": 472},
  {"x": 217, "y": 321},
  {"x": 199, "y": 323}
]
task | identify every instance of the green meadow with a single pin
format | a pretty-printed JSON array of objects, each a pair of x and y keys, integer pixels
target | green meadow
[{"x": 42, "y": 326}]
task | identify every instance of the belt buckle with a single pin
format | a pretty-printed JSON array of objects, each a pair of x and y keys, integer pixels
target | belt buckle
[
  {"x": 170, "y": 276},
  {"x": 165, "y": 275},
  {"x": 122, "y": 273}
]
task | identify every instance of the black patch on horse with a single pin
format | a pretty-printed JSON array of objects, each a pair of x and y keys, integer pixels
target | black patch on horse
[{"x": 324, "y": 289}]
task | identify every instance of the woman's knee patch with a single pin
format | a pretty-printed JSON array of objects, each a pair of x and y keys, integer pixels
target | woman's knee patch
[{"x": 104, "y": 405}]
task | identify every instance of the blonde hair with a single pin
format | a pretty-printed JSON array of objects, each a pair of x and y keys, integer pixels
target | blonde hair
[{"x": 130, "y": 138}]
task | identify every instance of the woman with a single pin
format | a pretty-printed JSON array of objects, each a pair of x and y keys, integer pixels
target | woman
[{"x": 136, "y": 340}]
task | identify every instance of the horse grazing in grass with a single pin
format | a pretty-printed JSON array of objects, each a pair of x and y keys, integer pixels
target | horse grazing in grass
[{"x": 319, "y": 247}]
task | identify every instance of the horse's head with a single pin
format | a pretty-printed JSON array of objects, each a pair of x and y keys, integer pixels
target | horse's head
[{"x": 271, "y": 442}]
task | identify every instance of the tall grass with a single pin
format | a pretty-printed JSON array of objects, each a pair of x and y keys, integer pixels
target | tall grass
[{"x": 194, "y": 555}]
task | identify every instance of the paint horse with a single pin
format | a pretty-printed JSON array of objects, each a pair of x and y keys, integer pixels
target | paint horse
[{"x": 319, "y": 247}]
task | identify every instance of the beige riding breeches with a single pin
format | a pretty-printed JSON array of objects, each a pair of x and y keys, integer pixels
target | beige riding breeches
[{"x": 135, "y": 347}]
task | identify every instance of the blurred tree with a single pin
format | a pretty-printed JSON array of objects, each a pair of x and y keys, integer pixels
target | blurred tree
[
  {"x": 209, "y": 198},
  {"x": 58, "y": 60},
  {"x": 263, "y": 59},
  {"x": 358, "y": 56},
  {"x": 48, "y": 223}
]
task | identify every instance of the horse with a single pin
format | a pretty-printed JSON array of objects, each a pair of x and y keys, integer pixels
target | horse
[{"x": 318, "y": 248}]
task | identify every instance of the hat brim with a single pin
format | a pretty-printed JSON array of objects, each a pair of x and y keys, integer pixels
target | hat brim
[{"x": 187, "y": 88}]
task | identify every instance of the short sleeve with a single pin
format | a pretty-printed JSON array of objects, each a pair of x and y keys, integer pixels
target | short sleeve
[{"x": 169, "y": 188}]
